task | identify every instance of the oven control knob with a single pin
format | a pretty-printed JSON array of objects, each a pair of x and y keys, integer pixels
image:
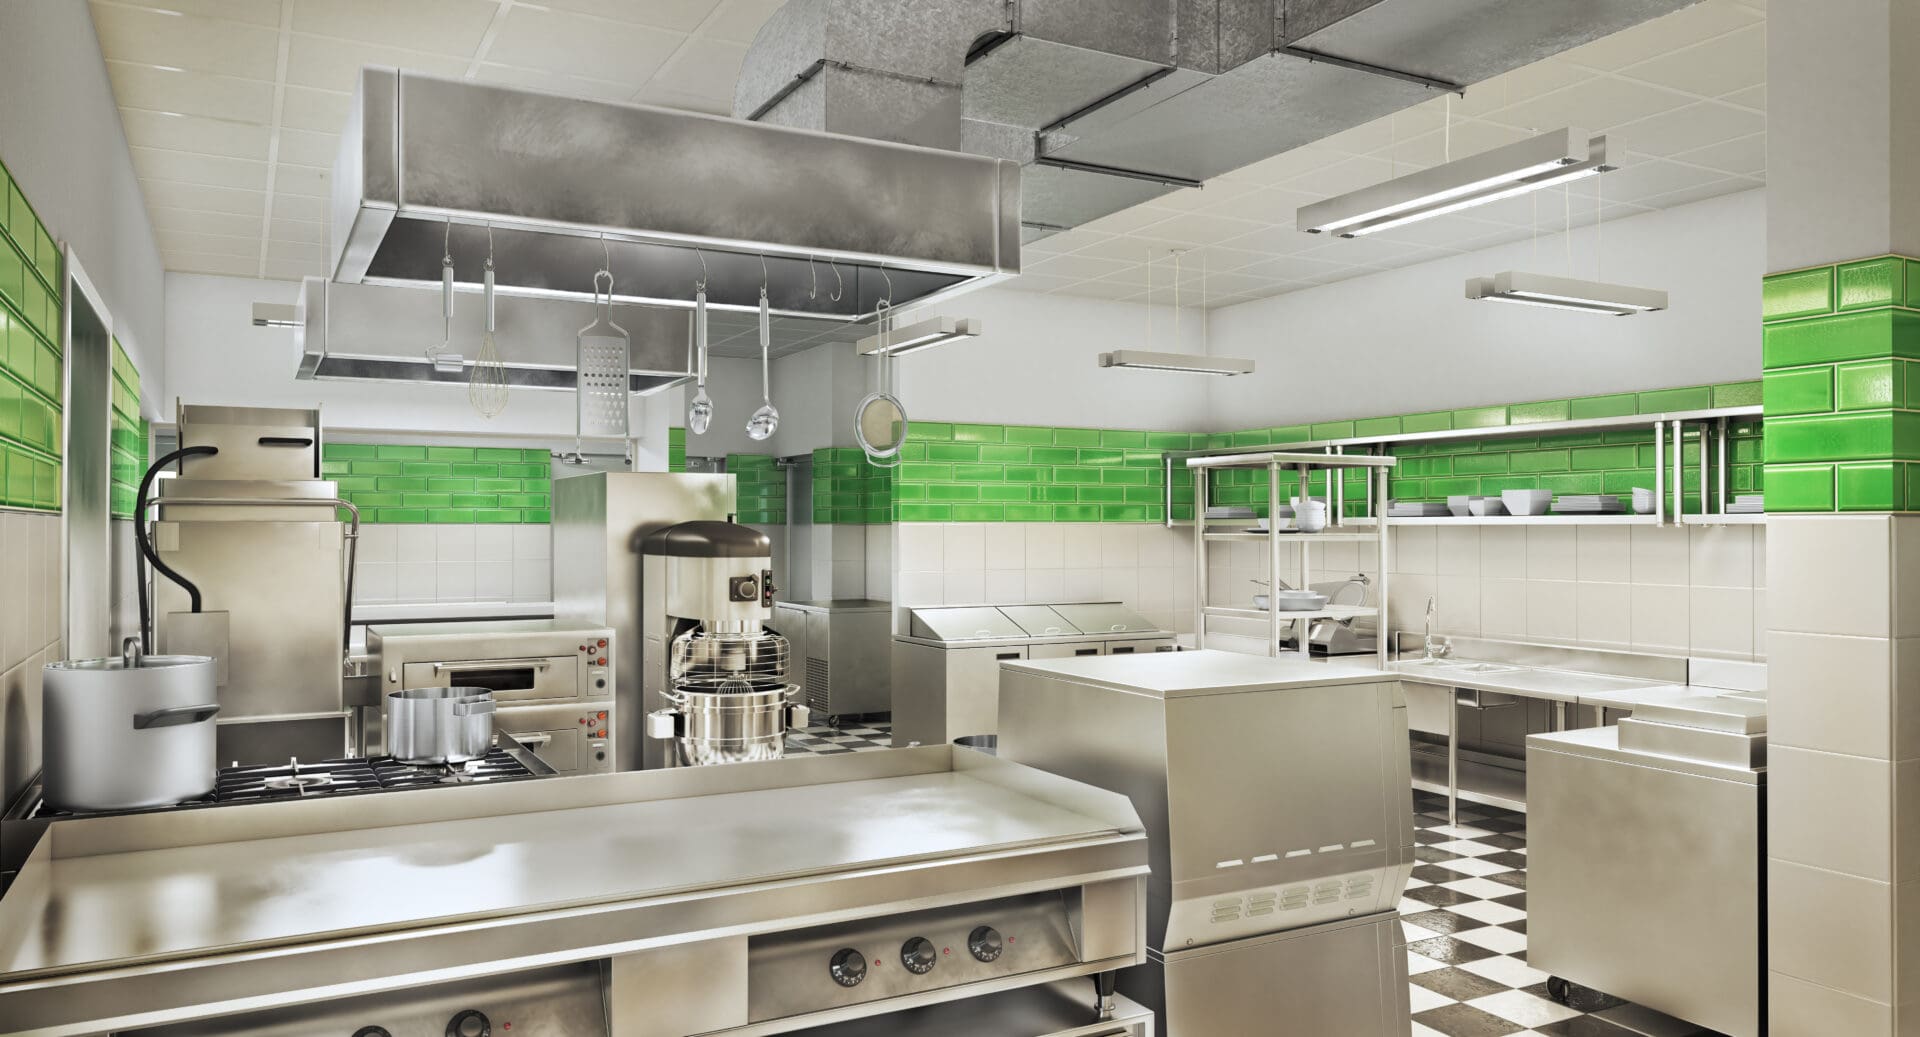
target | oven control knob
[
  {"x": 918, "y": 955},
  {"x": 849, "y": 967},
  {"x": 984, "y": 943},
  {"x": 372, "y": 1031},
  {"x": 470, "y": 1023}
]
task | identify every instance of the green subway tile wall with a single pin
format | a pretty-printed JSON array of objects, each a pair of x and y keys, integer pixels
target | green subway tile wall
[
  {"x": 30, "y": 361},
  {"x": 676, "y": 450},
  {"x": 1024, "y": 473},
  {"x": 760, "y": 489},
  {"x": 129, "y": 443},
  {"x": 848, "y": 490},
  {"x": 442, "y": 484},
  {"x": 1842, "y": 402}
]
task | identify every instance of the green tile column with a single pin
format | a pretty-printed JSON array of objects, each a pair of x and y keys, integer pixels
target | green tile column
[{"x": 1840, "y": 341}]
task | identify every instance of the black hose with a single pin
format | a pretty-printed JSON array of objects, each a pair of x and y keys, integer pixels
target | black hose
[{"x": 146, "y": 546}]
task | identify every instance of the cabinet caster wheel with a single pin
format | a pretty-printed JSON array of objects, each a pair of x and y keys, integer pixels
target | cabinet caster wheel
[
  {"x": 1559, "y": 989},
  {"x": 834, "y": 722}
]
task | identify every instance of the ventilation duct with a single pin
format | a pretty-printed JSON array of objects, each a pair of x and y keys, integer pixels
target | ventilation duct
[{"x": 1109, "y": 103}]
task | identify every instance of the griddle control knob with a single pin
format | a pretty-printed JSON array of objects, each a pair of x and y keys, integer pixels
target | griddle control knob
[
  {"x": 984, "y": 943},
  {"x": 470, "y": 1023},
  {"x": 849, "y": 967},
  {"x": 918, "y": 955},
  {"x": 372, "y": 1031}
]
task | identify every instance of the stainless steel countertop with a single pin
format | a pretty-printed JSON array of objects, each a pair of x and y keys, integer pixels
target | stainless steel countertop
[
  {"x": 1603, "y": 743},
  {"x": 118, "y": 908},
  {"x": 1543, "y": 683},
  {"x": 1205, "y": 672},
  {"x": 839, "y": 605}
]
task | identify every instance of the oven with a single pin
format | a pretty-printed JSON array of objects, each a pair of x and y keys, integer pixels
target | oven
[{"x": 552, "y": 681}]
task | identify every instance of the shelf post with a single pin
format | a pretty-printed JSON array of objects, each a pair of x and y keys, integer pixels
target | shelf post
[
  {"x": 1659, "y": 474},
  {"x": 1273, "y": 558},
  {"x": 1382, "y": 629},
  {"x": 1679, "y": 474},
  {"x": 1201, "y": 561},
  {"x": 1336, "y": 492},
  {"x": 1720, "y": 443}
]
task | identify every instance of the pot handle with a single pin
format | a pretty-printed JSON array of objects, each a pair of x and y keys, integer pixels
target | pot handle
[
  {"x": 175, "y": 716},
  {"x": 473, "y": 707}
]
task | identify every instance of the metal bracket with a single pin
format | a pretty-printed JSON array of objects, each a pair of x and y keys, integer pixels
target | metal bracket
[
  {"x": 1167, "y": 179},
  {"x": 1373, "y": 70}
]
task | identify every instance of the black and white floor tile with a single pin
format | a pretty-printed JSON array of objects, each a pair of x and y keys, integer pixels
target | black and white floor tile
[
  {"x": 821, "y": 740},
  {"x": 1465, "y": 916}
]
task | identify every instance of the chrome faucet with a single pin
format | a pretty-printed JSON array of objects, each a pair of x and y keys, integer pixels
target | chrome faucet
[{"x": 1442, "y": 648}]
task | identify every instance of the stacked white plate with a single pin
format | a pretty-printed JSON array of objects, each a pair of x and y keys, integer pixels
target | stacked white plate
[
  {"x": 1747, "y": 504},
  {"x": 1643, "y": 500},
  {"x": 1589, "y": 504},
  {"x": 1416, "y": 509}
]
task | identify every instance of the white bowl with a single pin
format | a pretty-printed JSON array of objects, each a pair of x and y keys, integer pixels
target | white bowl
[
  {"x": 1487, "y": 506},
  {"x": 1526, "y": 502},
  {"x": 1299, "y": 601}
]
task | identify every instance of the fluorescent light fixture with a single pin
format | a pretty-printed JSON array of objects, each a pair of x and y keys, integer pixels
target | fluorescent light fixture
[
  {"x": 927, "y": 334},
  {"x": 1186, "y": 363},
  {"x": 1566, "y": 293},
  {"x": 275, "y": 315},
  {"x": 1549, "y": 160}
]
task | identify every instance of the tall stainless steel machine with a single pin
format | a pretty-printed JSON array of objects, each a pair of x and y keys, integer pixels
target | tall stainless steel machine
[
  {"x": 1279, "y": 815},
  {"x": 255, "y": 570}
]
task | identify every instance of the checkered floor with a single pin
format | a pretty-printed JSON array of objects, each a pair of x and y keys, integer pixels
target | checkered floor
[
  {"x": 821, "y": 740},
  {"x": 1465, "y": 916}
]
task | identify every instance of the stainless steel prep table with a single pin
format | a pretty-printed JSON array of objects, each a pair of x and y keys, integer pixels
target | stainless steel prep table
[{"x": 137, "y": 921}]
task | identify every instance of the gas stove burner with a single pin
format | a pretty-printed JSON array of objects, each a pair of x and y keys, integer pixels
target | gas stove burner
[{"x": 298, "y": 782}]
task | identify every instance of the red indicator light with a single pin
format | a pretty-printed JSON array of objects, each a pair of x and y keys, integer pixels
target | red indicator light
[{"x": 946, "y": 950}]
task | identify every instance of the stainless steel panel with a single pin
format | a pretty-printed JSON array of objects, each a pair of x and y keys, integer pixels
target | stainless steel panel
[
  {"x": 1040, "y": 620},
  {"x": 849, "y": 651},
  {"x": 1064, "y": 650},
  {"x": 945, "y": 693},
  {"x": 1646, "y": 882},
  {"x": 291, "y": 451},
  {"x": 566, "y": 170},
  {"x": 1105, "y": 619},
  {"x": 1139, "y": 645},
  {"x": 282, "y": 585},
  {"x": 975, "y": 623},
  {"x": 679, "y": 990},
  {"x": 1726, "y": 748},
  {"x": 1062, "y": 1009},
  {"x": 599, "y": 521},
  {"x": 1347, "y": 978},
  {"x": 86, "y": 423}
]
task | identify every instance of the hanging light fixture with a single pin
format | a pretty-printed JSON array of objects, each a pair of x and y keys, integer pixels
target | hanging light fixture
[
  {"x": 1183, "y": 363},
  {"x": 1566, "y": 293},
  {"x": 935, "y": 331},
  {"x": 1549, "y": 160}
]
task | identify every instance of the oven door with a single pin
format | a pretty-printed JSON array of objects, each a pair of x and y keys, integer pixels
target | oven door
[{"x": 530, "y": 679}]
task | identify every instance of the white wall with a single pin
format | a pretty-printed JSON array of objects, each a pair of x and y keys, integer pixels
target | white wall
[
  {"x": 1034, "y": 363},
  {"x": 1408, "y": 340},
  {"x": 60, "y": 137},
  {"x": 216, "y": 356}
]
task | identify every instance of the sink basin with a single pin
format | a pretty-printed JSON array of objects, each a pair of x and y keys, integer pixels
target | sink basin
[
  {"x": 1484, "y": 668},
  {"x": 1458, "y": 666}
]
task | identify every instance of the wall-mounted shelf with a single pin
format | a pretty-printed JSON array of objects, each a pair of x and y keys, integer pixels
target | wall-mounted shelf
[
  {"x": 1288, "y": 536},
  {"x": 1335, "y": 612},
  {"x": 1724, "y": 520},
  {"x": 1530, "y": 520}
]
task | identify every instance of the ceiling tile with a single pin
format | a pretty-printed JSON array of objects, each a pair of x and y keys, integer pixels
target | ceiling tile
[
  {"x": 1649, "y": 178},
  {"x": 319, "y": 110},
  {"x": 207, "y": 263},
  {"x": 299, "y": 207},
  {"x": 1133, "y": 248},
  {"x": 1214, "y": 192},
  {"x": 439, "y": 26},
  {"x": 191, "y": 93},
  {"x": 1701, "y": 192},
  {"x": 1071, "y": 240},
  {"x": 1746, "y": 156},
  {"x": 302, "y": 180},
  {"x": 678, "y": 15},
  {"x": 619, "y": 52},
  {"x": 252, "y": 12},
  {"x": 291, "y": 270},
  {"x": 328, "y": 64},
  {"x": 192, "y": 221},
  {"x": 740, "y": 20},
  {"x": 1344, "y": 175},
  {"x": 1126, "y": 220},
  {"x": 1198, "y": 229},
  {"x": 1357, "y": 251},
  {"x": 1038, "y": 283},
  {"x": 306, "y": 148},
  {"x": 1682, "y": 129},
  {"x": 206, "y": 170},
  {"x": 703, "y": 68},
  {"x": 1686, "y": 26},
  {"x": 296, "y": 252},
  {"x": 1719, "y": 66},
  {"x": 1276, "y": 241},
  {"x": 201, "y": 136},
  {"x": 1295, "y": 268},
  {"x": 1076, "y": 267},
  {"x": 660, "y": 97},
  {"x": 209, "y": 199},
  {"x": 301, "y": 231},
  {"x": 1595, "y": 106},
  {"x": 209, "y": 244},
  {"x": 153, "y": 37},
  {"x": 1754, "y": 97},
  {"x": 1103, "y": 290}
]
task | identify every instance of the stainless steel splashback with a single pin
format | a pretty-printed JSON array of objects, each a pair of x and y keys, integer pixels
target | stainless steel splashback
[{"x": 255, "y": 443}]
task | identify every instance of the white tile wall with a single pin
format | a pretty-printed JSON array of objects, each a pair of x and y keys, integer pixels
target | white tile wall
[
  {"x": 446, "y": 563},
  {"x": 29, "y": 637},
  {"x": 1149, "y": 567},
  {"x": 1694, "y": 590}
]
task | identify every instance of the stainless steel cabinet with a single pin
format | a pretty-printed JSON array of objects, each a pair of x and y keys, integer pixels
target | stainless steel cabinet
[
  {"x": 1064, "y": 650},
  {"x": 947, "y": 693},
  {"x": 840, "y": 654}
]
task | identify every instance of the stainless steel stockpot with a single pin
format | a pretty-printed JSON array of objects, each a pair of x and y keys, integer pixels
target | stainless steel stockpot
[
  {"x": 439, "y": 725},
  {"x": 130, "y": 732}
]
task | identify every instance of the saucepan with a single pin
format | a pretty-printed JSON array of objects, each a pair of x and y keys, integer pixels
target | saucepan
[{"x": 439, "y": 725}]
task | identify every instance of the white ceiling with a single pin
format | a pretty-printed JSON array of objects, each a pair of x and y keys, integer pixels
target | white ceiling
[{"x": 233, "y": 107}]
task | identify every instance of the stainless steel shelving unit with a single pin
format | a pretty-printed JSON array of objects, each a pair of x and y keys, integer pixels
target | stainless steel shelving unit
[{"x": 1282, "y": 467}]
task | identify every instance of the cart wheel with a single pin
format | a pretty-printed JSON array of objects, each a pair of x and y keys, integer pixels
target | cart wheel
[
  {"x": 1559, "y": 989},
  {"x": 834, "y": 722}
]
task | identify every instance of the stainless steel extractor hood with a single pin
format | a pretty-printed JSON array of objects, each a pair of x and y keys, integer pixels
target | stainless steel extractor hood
[{"x": 665, "y": 198}]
